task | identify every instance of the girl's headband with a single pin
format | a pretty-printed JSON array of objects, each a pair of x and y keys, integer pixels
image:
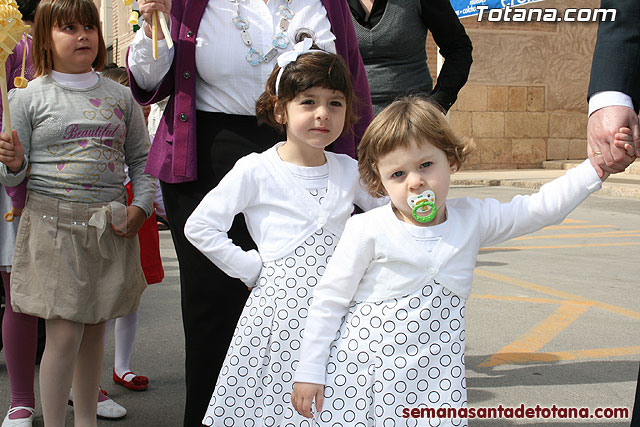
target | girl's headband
[{"x": 292, "y": 55}]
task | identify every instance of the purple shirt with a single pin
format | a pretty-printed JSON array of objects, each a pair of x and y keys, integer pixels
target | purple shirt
[{"x": 173, "y": 153}]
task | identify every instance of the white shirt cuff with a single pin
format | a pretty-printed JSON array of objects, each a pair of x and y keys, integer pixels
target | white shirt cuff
[
  {"x": 310, "y": 373},
  {"x": 253, "y": 268},
  {"x": 607, "y": 99},
  {"x": 147, "y": 71},
  {"x": 589, "y": 176}
]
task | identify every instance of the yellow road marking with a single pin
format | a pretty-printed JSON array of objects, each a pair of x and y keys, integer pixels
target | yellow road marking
[
  {"x": 573, "y": 221},
  {"x": 586, "y": 245},
  {"x": 629, "y": 233},
  {"x": 595, "y": 353},
  {"x": 535, "y": 338},
  {"x": 559, "y": 294},
  {"x": 571, "y": 307},
  {"x": 527, "y": 299},
  {"x": 570, "y": 227},
  {"x": 515, "y": 358}
]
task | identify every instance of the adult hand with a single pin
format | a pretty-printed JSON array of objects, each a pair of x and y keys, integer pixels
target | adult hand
[
  {"x": 303, "y": 396},
  {"x": 11, "y": 151},
  {"x": 147, "y": 7},
  {"x": 601, "y": 130},
  {"x": 135, "y": 219}
]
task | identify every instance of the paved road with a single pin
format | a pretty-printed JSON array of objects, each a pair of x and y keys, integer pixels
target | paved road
[
  {"x": 554, "y": 316},
  {"x": 553, "y": 319}
]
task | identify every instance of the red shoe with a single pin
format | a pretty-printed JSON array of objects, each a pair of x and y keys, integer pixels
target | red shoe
[{"x": 137, "y": 383}]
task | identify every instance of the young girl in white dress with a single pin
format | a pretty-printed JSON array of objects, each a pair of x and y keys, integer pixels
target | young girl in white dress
[
  {"x": 386, "y": 330},
  {"x": 295, "y": 198}
]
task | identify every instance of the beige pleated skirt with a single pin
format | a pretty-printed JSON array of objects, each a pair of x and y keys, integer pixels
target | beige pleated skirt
[{"x": 65, "y": 268}]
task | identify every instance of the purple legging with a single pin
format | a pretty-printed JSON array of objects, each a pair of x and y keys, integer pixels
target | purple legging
[{"x": 19, "y": 340}]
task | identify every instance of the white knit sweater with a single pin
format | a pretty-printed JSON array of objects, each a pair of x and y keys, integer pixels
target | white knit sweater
[
  {"x": 279, "y": 212},
  {"x": 377, "y": 259}
]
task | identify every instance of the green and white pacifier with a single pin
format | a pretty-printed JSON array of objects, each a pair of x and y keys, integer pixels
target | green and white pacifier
[{"x": 423, "y": 206}]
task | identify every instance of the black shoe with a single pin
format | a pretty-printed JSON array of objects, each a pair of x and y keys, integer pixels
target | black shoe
[{"x": 162, "y": 224}]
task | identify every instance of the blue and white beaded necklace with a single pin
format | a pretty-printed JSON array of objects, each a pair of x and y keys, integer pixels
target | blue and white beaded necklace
[{"x": 280, "y": 40}]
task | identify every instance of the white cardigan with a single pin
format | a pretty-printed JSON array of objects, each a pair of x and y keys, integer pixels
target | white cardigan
[
  {"x": 377, "y": 259},
  {"x": 279, "y": 212}
]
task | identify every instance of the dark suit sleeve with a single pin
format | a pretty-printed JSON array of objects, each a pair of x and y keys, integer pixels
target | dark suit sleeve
[
  {"x": 455, "y": 46},
  {"x": 616, "y": 59}
]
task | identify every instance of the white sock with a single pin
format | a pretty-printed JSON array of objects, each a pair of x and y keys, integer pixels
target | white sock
[{"x": 125, "y": 335}]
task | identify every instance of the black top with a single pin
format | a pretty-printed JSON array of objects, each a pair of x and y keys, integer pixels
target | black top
[
  {"x": 359, "y": 13},
  {"x": 448, "y": 33}
]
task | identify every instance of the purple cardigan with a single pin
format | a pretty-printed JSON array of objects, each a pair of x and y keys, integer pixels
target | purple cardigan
[
  {"x": 18, "y": 193},
  {"x": 173, "y": 153}
]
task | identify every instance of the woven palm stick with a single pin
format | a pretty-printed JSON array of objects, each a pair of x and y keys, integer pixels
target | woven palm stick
[
  {"x": 6, "y": 117},
  {"x": 154, "y": 33},
  {"x": 11, "y": 31},
  {"x": 21, "y": 82},
  {"x": 165, "y": 30}
]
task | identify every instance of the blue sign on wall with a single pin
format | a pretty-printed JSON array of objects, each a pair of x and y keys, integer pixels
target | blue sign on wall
[{"x": 469, "y": 7}]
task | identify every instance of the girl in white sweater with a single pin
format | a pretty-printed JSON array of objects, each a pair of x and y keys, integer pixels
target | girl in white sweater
[
  {"x": 386, "y": 330},
  {"x": 296, "y": 199}
]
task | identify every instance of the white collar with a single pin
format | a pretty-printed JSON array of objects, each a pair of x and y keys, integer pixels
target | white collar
[
  {"x": 75, "y": 81},
  {"x": 294, "y": 188}
]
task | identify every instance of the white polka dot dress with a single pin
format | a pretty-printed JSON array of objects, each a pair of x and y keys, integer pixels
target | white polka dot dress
[
  {"x": 255, "y": 383},
  {"x": 401, "y": 353}
]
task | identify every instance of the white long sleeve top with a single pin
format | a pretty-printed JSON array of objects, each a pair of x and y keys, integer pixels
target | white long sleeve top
[
  {"x": 279, "y": 212},
  {"x": 377, "y": 258}
]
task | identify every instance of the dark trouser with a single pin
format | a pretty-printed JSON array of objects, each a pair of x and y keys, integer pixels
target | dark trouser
[
  {"x": 635, "y": 417},
  {"x": 211, "y": 300}
]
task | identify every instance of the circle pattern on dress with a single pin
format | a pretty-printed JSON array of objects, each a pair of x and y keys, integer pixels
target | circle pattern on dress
[
  {"x": 402, "y": 353},
  {"x": 254, "y": 386}
]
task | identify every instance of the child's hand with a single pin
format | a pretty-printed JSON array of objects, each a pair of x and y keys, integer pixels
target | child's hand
[
  {"x": 303, "y": 396},
  {"x": 623, "y": 142},
  {"x": 135, "y": 219},
  {"x": 16, "y": 211},
  {"x": 11, "y": 152},
  {"x": 12, "y": 214}
]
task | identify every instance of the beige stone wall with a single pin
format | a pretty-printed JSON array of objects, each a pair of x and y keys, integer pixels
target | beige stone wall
[
  {"x": 513, "y": 127},
  {"x": 525, "y": 101},
  {"x": 122, "y": 31}
]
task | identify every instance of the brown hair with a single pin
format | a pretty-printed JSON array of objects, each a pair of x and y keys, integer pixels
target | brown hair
[
  {"x": 27, "y": 9},
  {"x": 407, "y": 119},
  {"x": 313, "y": 69},
  {"x": 118, "y": 74},
  {"x": 56, "y": 13}
]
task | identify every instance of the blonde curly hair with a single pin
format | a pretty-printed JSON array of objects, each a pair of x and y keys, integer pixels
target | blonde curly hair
[{"x": 407, "y": 119}]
